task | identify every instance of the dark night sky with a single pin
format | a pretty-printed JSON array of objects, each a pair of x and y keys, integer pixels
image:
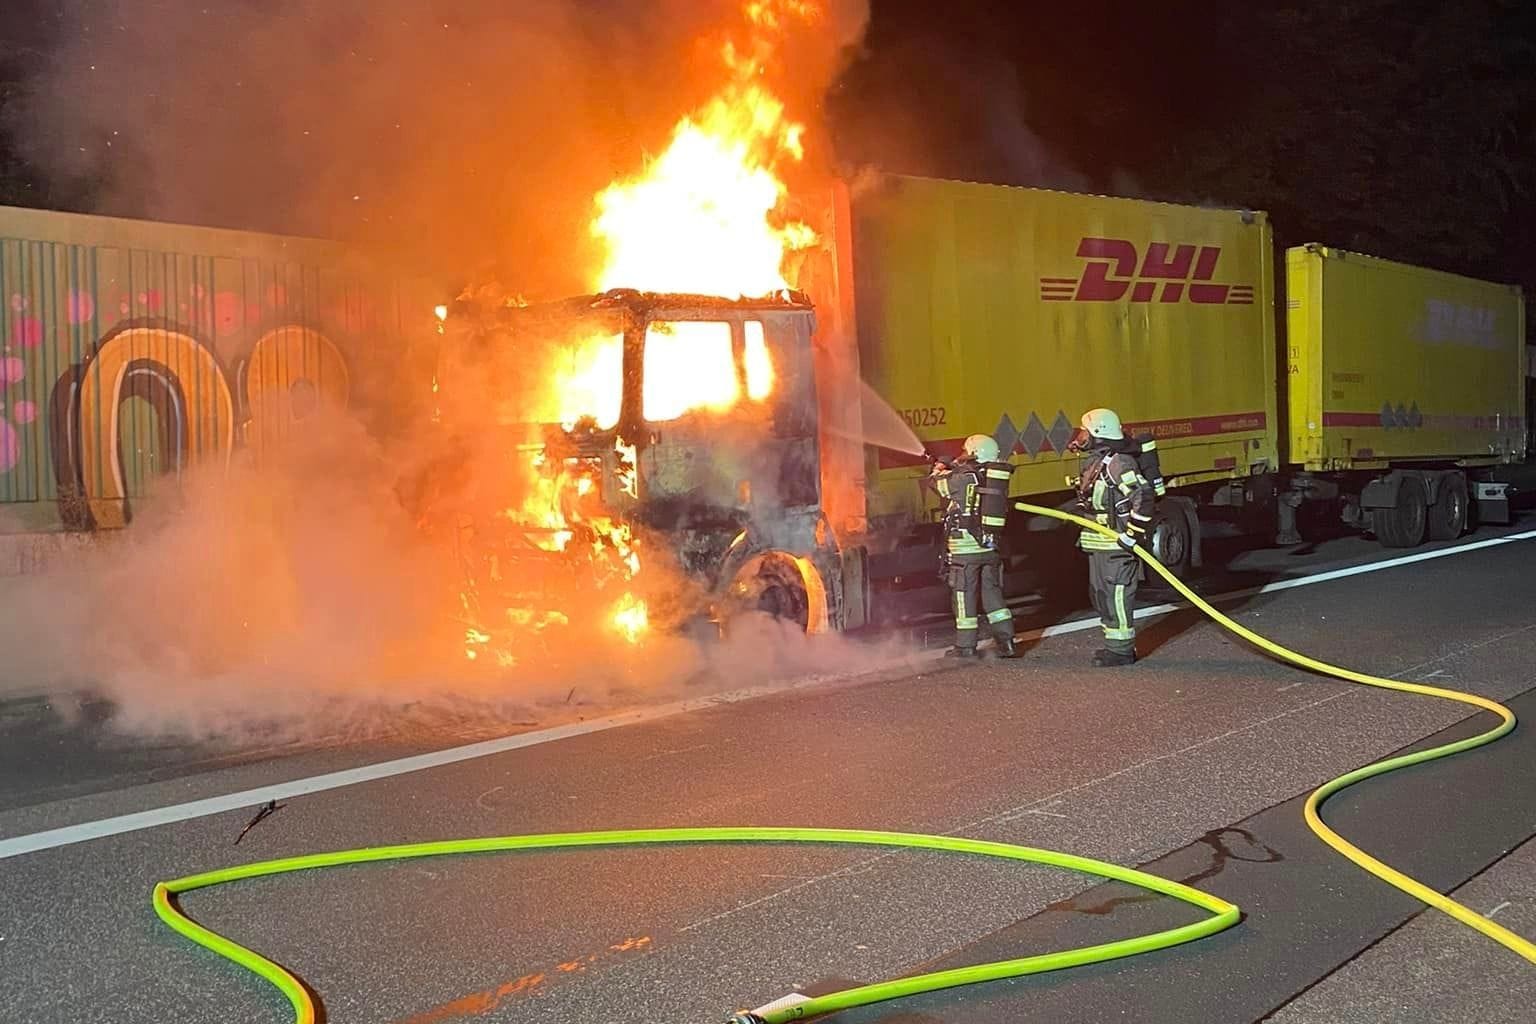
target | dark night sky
[{"x": 1403, "y": 128}]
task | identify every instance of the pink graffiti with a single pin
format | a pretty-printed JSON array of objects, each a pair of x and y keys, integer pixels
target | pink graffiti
[
  {"x": 18, "y": 302},
  {"x": 25, "y": 412},
  {"x": 10, "y": 447},
  {"x": 28, "y": 331},
  {"x": 226, "y": 313},
  {"x": 82, "y": 307},
  {"x": 12, "y": 370},
  {"x": 152, "y": 300}
]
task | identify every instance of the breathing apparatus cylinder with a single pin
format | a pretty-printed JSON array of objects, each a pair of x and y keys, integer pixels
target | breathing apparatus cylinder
[{"x": 993, "y": 504}]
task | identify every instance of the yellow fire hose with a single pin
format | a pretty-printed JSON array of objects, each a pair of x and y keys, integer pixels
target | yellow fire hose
[
  {"x": 1222, "y": 914},
  {"x": 1385, "y": 872}
]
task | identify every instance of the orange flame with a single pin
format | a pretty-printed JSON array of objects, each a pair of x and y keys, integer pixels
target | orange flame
[
  {"x": 701, "y": 218},
  {"x": 588, "y": 380},
  {"x": 706, "y": 217},
  {"x": 630, "y": 617}
]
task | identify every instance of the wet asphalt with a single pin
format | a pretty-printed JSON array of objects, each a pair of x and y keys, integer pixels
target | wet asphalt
[{"x": 1193, "y": 762}]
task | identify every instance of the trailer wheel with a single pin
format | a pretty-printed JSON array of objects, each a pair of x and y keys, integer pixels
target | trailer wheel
[
  {"x": 1171, "y": 542},
  {"x": 1448, "y": 516},
  {"x": 1404, "y": 524}
]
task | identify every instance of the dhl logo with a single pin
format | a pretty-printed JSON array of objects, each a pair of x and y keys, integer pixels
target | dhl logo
[{"x": 1178, "y": 270}]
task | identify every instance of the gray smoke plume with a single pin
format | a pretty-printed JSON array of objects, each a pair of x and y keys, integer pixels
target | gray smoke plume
[
  {"x": 474, "y": 135},
  {"x": 298, "y": 595}
]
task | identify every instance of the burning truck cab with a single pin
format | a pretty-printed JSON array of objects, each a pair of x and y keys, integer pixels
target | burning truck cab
[{"x": 678, "y": 431}]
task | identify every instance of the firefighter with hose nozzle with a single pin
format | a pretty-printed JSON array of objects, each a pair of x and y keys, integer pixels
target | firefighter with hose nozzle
[
  {"x": 1113, "y": 491},
  {"x": 975, "y": 492}
]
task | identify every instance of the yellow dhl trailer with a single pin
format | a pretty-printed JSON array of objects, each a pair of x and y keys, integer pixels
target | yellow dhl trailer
[
  {"x": 1405, "y": 386},
  {"x": 1011, "y": 311}
]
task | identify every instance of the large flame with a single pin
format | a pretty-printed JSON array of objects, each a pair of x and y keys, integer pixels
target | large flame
[
  {"x": 706, "y": 217},
  {"x": 563, "y": 512}
]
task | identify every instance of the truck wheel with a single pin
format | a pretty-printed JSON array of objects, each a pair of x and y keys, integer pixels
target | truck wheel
[
  {"x": 1171, "y": 541},
  {"x": 785, "y": 599},
  {"x": 768, "y": 587},
  {"x": 1404, "y": 524},
  {"x": 1448, "y": 516}
]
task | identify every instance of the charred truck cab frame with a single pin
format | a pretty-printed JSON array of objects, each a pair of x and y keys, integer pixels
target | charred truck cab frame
[{"x": 727, "y": 479}]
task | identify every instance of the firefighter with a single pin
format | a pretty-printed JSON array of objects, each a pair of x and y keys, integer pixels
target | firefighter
[
  {"x": 975, "y": 492},
  {"x": 1113, "y": 491}
]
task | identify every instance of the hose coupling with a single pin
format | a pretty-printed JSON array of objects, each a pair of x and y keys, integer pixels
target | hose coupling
[{"x": 744, "y": 1017}]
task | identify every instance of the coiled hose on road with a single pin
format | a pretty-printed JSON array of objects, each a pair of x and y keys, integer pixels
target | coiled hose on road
[{"x": 1222, "y": 913}]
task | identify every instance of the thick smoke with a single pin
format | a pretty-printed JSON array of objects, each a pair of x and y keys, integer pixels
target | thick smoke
[
  {"x": 299, "y": 594},
  {"x": 299, "y": 598},
  {"x": 945, "y": 106},
  {"x": 476, "y": 134}
]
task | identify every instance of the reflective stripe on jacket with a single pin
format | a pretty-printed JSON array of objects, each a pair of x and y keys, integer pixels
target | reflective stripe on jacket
[{"x": 1118, "y": 496}]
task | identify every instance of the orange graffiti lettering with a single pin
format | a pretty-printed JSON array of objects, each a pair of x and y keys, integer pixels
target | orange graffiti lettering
[
  {"x": 290, "y": 372},
  {"x": 180, "y": 380}
]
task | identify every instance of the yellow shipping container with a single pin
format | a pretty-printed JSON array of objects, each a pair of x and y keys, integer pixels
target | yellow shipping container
[
  {"x": 1011, "y": 311},
  {"x": 1391, "y": 363}
]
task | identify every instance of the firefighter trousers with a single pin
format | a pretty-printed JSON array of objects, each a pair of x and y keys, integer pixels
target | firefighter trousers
[
  {"x": 1112, "y": 577},
  {"x": 977, "y": 584}
]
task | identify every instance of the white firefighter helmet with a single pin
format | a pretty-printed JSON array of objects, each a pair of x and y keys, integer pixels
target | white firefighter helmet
[
  {"x": 981, "y": 447},
  {"x": 1103, "y": 424}
]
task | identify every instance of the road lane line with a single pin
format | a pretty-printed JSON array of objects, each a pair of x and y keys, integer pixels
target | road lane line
[
  {"x": 171, "y": 814},
  {"x": 117, "y": 825}
]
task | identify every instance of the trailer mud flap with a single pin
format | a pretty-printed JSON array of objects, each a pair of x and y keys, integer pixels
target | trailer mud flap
[
  {"x": 1382, "y": 492},
  {"x": 1493, "y": 501}
]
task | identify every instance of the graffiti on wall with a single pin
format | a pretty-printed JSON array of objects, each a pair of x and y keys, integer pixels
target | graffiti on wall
[{"x": 121, "y": 368}]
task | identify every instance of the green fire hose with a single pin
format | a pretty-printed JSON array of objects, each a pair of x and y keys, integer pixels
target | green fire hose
[{"x": 1222, "y": 914}]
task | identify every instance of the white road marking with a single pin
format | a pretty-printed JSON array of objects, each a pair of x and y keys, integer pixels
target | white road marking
[
  {"x": 119, "y": 824},
  {"x": 169, "y": 815},
  {"x": 1078, "y": 625},
  {"x": 1292, "y": 686},
  {"x": 1048, "y": 814}
]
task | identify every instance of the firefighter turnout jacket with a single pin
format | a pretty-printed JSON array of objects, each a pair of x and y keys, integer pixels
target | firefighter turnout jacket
[
  {"x": 1115, "y": 494},
  {"x": 975, "y": 511},
  {"x": 976, "y": 505}
]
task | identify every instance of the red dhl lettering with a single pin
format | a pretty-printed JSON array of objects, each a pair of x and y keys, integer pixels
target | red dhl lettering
[{"x": 1116, "y": 269}]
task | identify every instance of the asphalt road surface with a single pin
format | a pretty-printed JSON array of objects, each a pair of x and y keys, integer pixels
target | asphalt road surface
[{"x": 1194, "y": 762}]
